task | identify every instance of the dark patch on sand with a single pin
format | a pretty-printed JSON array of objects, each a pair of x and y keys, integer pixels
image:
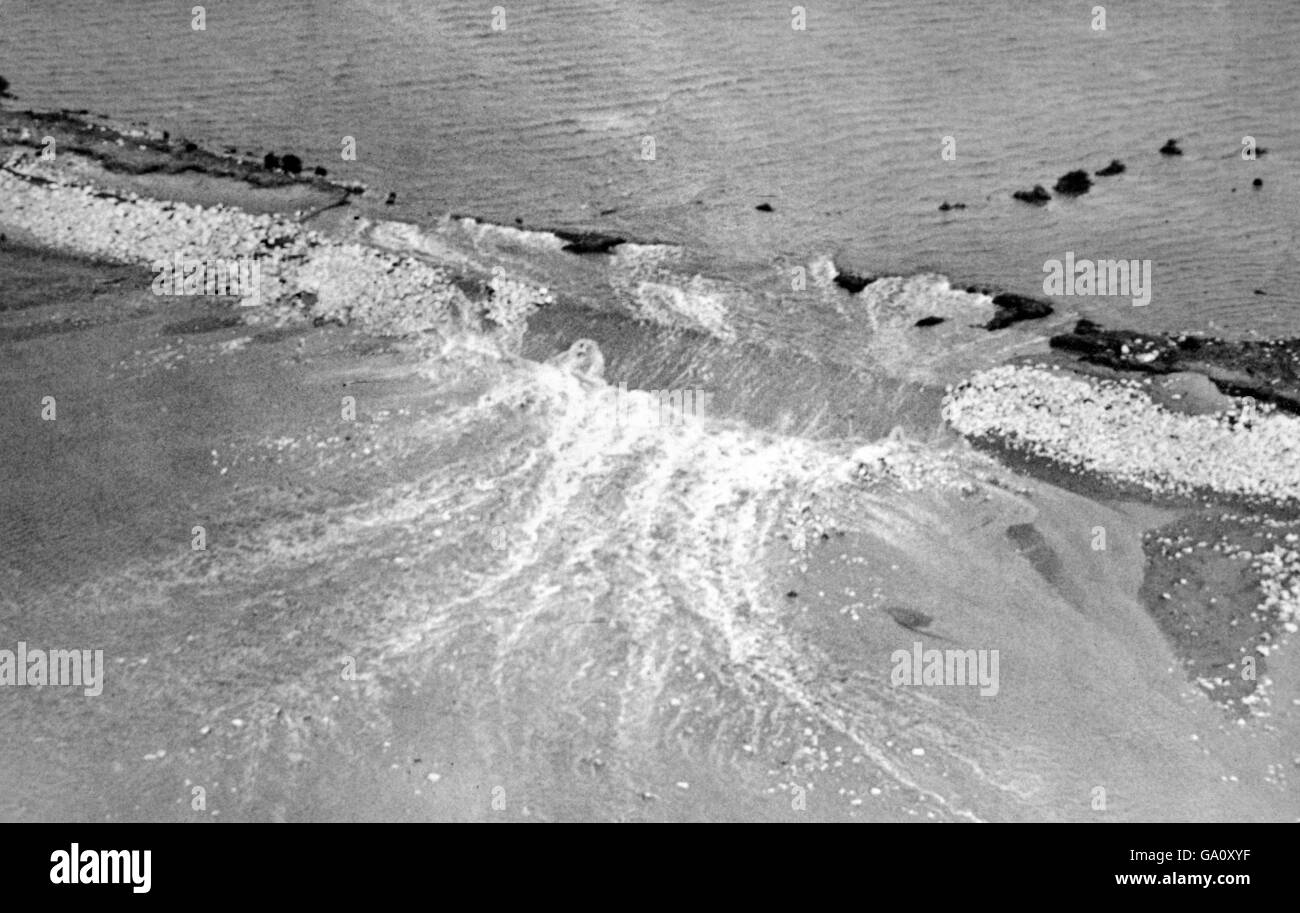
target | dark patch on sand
[
  {"x": 1204, "y": 594},
  {"x": 32, "y": 331},
  {"x": 205, "y": 323},
  {"x": 1034, "y": 547},
  {"x": 911, "y": 619},
  {"x": 71, "y": 294},
  {"x": 35, "y": 277}
]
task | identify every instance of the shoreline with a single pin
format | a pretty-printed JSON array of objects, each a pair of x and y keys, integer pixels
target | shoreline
[{"x": 413, "y": 508}]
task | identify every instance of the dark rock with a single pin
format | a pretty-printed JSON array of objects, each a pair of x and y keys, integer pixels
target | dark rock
[
  {"x": 1012, "y": 308},
  {"x": 1260, "y": 291},
  {"x": 319, "y": 171},
  {"x": 764, "y": 207},
  {"x": 853, "y": 283},
  {"x": 1258, "y": 182},
  {"x": 929, "y": 321},
  {"x": 588, "y": 242},
  {"x": 945, "y": 206},
  {"x": 791, "y": 595},
  {"x": 1171, "y": 148},
  {"x": 1115, "y": 167},
  {"x": 1073, "y": 183},
  {"x": 271, "y": 162},
  {"x": 291, "y": 164},
  {"x": 1038, "y": 196},
  {"x": 1268, "y": 370},
  {"x": 392, "y": 198},
  {"x": 4, "y": 86}
]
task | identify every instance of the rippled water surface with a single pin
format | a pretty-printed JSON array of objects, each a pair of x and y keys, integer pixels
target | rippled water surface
[{"x": 838, "y": 127}]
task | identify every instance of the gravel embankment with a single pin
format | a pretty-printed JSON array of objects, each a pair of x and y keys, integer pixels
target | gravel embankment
[
  {"x": 302, "y": 270},
  {"x": 1114, "y": 430}
]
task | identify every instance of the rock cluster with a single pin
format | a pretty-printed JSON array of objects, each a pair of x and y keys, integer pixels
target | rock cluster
[{"x": 1268, "y": 369}]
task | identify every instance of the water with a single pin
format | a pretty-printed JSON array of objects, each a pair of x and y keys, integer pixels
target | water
[
  {"x": 838, "y": 127},
  {"x": 656, "y": 561}
]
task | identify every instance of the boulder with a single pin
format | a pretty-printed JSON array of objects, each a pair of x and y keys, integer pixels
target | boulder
[
  {"x": 1036, "y": 197},
  {"x": 851, "y": 282},
  {"x": 1012, "y": 308},
  {"x": 1073, "y": 184},
  {"x": 588, "y": 242}
]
